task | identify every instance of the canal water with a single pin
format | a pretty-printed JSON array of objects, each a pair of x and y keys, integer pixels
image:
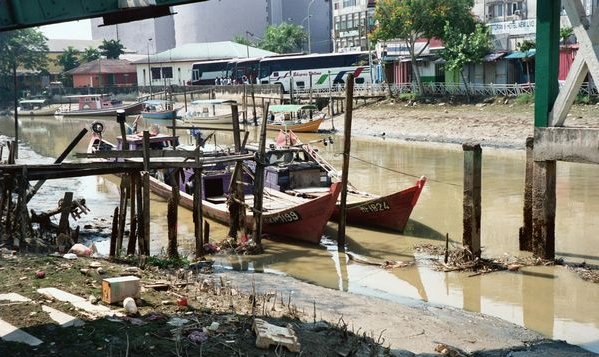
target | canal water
[{"x": 551, "y": 300}]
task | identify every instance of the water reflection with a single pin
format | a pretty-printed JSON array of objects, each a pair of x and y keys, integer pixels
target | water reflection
[{"x": 551, "y": 300}]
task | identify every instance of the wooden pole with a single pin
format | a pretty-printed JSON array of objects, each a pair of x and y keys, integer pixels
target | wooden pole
[
  {"x": 259, "y": 182},
  {"x": 122, "y": 212},
  {"x": 253, "y": 100},
  {"x": 206, "y": 232},
  {"x": 65, "y": 207},
  {"x": 113, "y": 236},
  {"x": 172, "y": 216},
  {"x": 140, "y": 216},
  {"x": 146, "y": 210},
  {"x": 121, "y": 118},
  {"x": 472, "y": 197},
  {"x": 16, "y": 113},
  {"x": 146, "y": 149},
  {"x": 236, "y": 129},
  {"x": 349, "y": 94},
  {"x": 133, "y": 216},
  {"x": 543, "y": 209},
  {"x": 58, "y": 160},
  {"x": 22, "y": 211},
  {"x": 185, "y": 97},
  {"x": 198, "y": 214},
  {"x": 525, "y": 233}
]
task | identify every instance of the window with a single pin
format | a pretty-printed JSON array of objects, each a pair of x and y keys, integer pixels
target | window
[
  {"x": 155, "y": 73},
  {"x": 167, "y": 72},
  {"x": 515, "y": 8}
]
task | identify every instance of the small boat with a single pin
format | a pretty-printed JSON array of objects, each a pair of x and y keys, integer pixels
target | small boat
[
  {"x": 159, "y": 109},
  {"x": 36, "y": 107},
  {"x": 285, "y": 217},
  {"x": 98, "y": 105},
  {"x": 297, "y": 169},
  {"x": 209, "y": 111},
  {"x": 294, "y": 117}
]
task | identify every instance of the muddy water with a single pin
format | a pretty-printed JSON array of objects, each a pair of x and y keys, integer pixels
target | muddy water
[{"x": 551, "y": 300}]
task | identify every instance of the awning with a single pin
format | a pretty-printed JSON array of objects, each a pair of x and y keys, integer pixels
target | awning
[
  {"x": 493, "y": 56},
  {"x": 520, "y": 55}
]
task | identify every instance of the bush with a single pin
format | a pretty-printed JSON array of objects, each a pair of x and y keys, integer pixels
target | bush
[
  {"x": 407, "y": 97},
  {"x": 582, "y": 99},
  {"x": 525, "y": 98}
]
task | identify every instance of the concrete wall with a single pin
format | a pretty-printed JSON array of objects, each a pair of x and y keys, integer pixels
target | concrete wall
[
  {"x": 181, "y": 73},
  {"x": 92, "y": 80},
  {"x": 135, "y": 35}
]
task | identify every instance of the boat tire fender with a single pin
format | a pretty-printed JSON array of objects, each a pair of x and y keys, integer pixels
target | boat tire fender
[{"x": 97, "y": 127}]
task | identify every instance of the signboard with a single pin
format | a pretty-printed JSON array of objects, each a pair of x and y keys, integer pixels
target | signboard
[{"x": 514, "y": 28}]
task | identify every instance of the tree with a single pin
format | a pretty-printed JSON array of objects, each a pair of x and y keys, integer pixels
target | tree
[
  {"x": 565, "y": 33},
  {"x": 90, "y": 54},
  {"x": 462, "y": 49},
  {"x": 242, "y": 40},
  {"x": 285, "y": 38},
  {"x": 111, "y": 49},
  {"x": 69, "y": 59},
  {"x": 413, "y": 20},
  {"x": 25, "y": 49}
]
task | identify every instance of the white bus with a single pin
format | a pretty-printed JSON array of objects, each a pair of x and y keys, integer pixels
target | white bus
[
  {"x": 206, "y": 72},
  {"x": 315, "y": 70}
]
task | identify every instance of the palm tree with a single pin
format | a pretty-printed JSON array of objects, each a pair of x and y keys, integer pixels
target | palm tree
[
  {"x": 111, "y": 49},
  {"x": 90, "y": 54}
]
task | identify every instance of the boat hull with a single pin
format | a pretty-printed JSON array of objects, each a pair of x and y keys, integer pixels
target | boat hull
[
  {"x": 389, "y": 212},
  {"x": 304, "y": 222},
  {"x": 307, "y": 127},
  {"x": 220, "y": 119},
  {"x": 49, "y": 111},
  {"x": 134, "y": 108},
  {"x": 169, "y": 114}
]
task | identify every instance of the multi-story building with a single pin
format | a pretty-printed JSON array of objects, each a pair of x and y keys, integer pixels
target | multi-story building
[
  {"x": 222, "y": 20},
  {"x": 352, "y": 22}
]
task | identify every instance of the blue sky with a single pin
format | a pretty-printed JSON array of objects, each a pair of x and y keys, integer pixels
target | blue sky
[{"x": 74, "y": 30}]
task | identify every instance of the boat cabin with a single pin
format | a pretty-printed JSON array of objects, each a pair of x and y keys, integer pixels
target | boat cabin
[
  {"x": 291, "y": 112},
  {"x": 292, "y": 168},
  {"x": 155, "y": 105},
  {"x": 94, "y": 101},
  {"x": 210, "y": 107},
  {"x": 32, "y": 104}
]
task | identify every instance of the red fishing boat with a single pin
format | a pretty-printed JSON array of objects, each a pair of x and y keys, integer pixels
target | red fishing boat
[{"x": 301, "y": 171}]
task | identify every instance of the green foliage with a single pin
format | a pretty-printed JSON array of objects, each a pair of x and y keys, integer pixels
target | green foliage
[
  {"x": 411, "y": 20},
  {"x": 242, "y": 40},
  {"x": 462, "y": 49},
  {"x": 285, "y": 38},
  {"x": 565, "y": 33},
  {"x": 111, "y": 49},
  {"x": 407, "y": 97},
  {"x": 526, "y": 45},
  {"x": 69, "y": 58},
  {"x": 164, "y": 262},
  {"x": 90, "y": 54},
  {"x": 525, "y": 98},
  {"x": 582, "y": 99}
]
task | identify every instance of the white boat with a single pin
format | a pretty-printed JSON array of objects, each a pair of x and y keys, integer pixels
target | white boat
[
  {"x": 36, "y": 107},
  {"x": 210, "y": 111},
  {"x": 97, "y": 105}
]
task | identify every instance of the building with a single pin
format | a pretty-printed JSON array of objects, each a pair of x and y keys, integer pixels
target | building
[
  {"x": 149, "y": 35},
  {"x": 56, "y": 48},
  {"x": 222, "y": 20},
  {"x": 104, "y": 73},
  {"x": 174, "y": 67},
  {"x": 352, "y": 22}
]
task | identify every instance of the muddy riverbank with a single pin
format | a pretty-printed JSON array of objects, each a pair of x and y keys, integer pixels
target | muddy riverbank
[{"x": 490, "y": 124}]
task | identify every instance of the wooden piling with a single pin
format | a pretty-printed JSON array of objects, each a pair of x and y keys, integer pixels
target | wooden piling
[
  {"x": 472, "y": 197},
  {"x": 63, "y": 226},
  {"x": 133, "y": 215},
  {"x": 259, "y": 182},
  {"x": 543, "y": 209},
  {"x": 172, "y": 219},
  {"x": 236, "y": 128},
  {"x": 113, "y": 235},
  {"x": 146, "y": 149},
  {"x": 146, "y": 210},
  {"x": 206, "y": 232},
  {"x": 198, "y": 214},
  {"x": 255, "y": 118},
  {"x": 185, "y": 97},
  {"x": 140, "y": 216},
  {"x": 349, "y": 94},
  {"x": 122, "y": 212},
  {"x": 525, "y": 233},
  {"x": 22, "y": 210}
]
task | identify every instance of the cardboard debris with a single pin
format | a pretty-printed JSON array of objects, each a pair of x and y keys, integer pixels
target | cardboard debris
[{"x": 268, "y": 334}]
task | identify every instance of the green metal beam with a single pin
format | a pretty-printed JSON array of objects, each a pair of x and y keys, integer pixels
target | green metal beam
[
  {"x": 15, "y": 14},
  {"x": 547, "y": 59}
]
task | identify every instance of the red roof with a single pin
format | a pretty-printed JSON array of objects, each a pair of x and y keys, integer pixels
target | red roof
[{"x": 104, "y": 66}]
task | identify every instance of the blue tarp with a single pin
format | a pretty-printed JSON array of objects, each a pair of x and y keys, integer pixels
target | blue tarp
[{"x": 520, "y": 55}]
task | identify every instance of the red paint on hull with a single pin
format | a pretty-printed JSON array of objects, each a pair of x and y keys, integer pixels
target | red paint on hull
[{"x": 388, "y": 212}]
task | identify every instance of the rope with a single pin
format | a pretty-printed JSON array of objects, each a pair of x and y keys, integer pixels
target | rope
[{"x": 397, "y": 171}]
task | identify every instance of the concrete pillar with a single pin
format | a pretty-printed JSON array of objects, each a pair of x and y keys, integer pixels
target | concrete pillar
[{"x": 472, "y": 196}]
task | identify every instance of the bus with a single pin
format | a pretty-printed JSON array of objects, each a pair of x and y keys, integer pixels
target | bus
[
  {"x": 206, "y": 72},
  {"x": 243, "y": 67},
  {"x": 315, "y": 70}
]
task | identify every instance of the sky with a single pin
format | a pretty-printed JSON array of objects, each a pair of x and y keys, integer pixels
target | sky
[{"x": 74, "y": 30}]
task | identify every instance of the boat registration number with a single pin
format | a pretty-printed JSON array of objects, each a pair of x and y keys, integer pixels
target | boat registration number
[
  {"x": 375, "y": 207},
  {"x": 280, "y": 218}
]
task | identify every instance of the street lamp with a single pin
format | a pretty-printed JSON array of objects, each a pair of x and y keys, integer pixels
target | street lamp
[
  {"x": 149, "y": 69},
  {"x": 309, "y": 30}
]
